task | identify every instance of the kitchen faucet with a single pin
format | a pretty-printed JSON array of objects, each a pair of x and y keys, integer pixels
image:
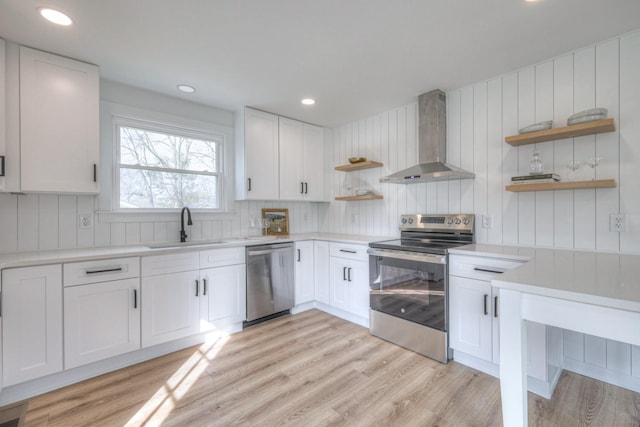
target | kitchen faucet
[{"x": 183, "y": 234}]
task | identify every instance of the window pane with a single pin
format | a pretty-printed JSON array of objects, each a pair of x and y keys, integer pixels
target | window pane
[
  {"x": 150, "y": 189},
  {"x": 149, "y": 148}
]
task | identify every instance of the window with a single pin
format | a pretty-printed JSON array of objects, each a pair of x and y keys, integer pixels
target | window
[{"x": 166, "y": 168}]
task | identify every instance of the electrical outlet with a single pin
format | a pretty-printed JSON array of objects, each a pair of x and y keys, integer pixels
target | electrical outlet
[
  {"x": 84, "y": 221},
  {"x": 487, "y": 221},
  {"x": 617, "y": 222}
]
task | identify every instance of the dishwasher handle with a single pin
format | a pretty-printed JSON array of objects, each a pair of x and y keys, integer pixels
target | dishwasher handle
[{"x": 268, "y": 251}]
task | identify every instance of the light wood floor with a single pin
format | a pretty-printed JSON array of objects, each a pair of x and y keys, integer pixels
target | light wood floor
[{"x": 313, "y": 369}]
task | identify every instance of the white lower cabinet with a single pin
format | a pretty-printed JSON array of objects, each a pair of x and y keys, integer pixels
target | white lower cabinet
[
  {"x": 224, "y": 295},
  {"x": 321, "y": 276},
  {"x": 304, "y": 272},
  {"x": 31, "y": 323},
  {"x": 349, "y": 279},
  {"x": 101, "y": 320}
]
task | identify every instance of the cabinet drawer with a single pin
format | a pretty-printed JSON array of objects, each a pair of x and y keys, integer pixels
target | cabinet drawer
[
  {"x": 221, "y": 257},
  {"x": 481, "y": 268},
  {"x": 172, "y": 263},
  {"x": 349, "y": 251},
  {"x": 81, "y": 273}
]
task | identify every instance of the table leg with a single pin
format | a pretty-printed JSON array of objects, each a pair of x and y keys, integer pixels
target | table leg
[{"x": 513, "y": 360}]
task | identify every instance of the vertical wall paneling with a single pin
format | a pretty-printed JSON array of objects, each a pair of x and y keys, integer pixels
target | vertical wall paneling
[
  {"x": 544, "y": 111},
  {"x": 495, "y": 143},
  {"x": 8, "y": 223},
  {"x": 146, "y": 232},
  {"x": 629, "y": 140},
  {"x": 619, "y": 357},
  {"x": 607, "y": 144},
  {"x": 27, "y": 222},
  {"x": 412, "y": 155},
  {"x": 86, "y": 236},
  {"x": 526, "y": 117},
  {"x": 118, "y": 233},
  {"x": 563, "y": 212},
  {"x": 393, "y": 167},
  {"x": 48, "y": 221},
  {"x": 467, "y": 152},
  {"x": 510, "y": 157},
  {"x": 453, "y": 146},
  {"x": 480, "y": 161},
  {"x": 132, "y": 233},
  {"x": 584, "y": 148},
  {"x": 68, "y": 221}
]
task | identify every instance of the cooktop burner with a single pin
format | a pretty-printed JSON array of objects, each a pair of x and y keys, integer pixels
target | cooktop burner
[{"x": 433, "y": 234}]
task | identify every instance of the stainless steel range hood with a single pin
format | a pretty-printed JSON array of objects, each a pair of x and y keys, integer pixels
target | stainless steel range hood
[{"x": 432, "y": 145}]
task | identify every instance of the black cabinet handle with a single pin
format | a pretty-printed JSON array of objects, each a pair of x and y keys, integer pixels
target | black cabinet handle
[
  {"x": 495, "y": 306},
  {"x": 204, "y": 284},
  {"x": 486, "y": 270},
  {"x": 349, "y": 274},
  {"x": 298, "y": 254},
  {"x": 486, "y": 297},
  {"x": 105, "y": 270},
  {"x": 135, "y": 298},
  {"x": 344, "y": 273},
  {"x": 95, "y": 172},
  {"x": 249, "y": 189},
  {"x": 306, "y": 188},
  {"x": 347, "y": 251},
  {"x": 1, "y": 165},
  {"x": 302, "y": 188},
  {"x": 197, "y": 287}
]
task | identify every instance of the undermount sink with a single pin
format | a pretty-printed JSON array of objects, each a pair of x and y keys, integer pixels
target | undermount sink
[{"x": 166, "y": 245}]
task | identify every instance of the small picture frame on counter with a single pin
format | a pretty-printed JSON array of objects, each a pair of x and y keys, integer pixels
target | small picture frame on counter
[{"x": 276, "y": 222}]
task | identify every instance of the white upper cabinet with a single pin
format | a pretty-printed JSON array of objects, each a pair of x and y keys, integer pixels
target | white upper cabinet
[
  {"x": 52, "y": 123},
  {"x": 301, "y": 161},
  {"x": 59, "y": 124},
  {"x": 257, "y": 165},
  {"x": 278, "y": 158},
  {"x": 3, "y": 117}
]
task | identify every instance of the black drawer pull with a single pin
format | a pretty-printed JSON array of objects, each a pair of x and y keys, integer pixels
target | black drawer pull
[
  {"x": 135, "y": 298},
  {"x": 348, "y": 251},
  {"x": 95, "y": 172},
  {"x": 495, "y": 306},
  {"x": 106, "y": 270},
  {"x": 486, "y": 311},
  {"x": 249, "y": 188},
  {"x": 486, "y": 270}
]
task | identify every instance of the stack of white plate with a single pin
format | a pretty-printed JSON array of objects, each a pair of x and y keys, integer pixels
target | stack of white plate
[
  {"x": 588, "y": 116},
  {"x": 538, "y": 126}
]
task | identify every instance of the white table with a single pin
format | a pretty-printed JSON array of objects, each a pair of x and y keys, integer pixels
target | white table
[{"x": 592, "y": 293}]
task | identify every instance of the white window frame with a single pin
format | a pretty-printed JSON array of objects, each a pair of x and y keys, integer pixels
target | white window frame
[
  {"x": 218, "y": 139},
  {"x": 108, "y": 205}
]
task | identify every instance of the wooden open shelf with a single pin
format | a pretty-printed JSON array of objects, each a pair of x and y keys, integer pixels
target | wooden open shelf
[
  {"x": 359, "y": 166},
  {"x": 366, "y": 197},
  {"x": 582, "y": 129},
  {"x": 568, "y": 185}
]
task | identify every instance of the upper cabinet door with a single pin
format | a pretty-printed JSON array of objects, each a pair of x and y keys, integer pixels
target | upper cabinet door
[
  {"x": 291, "y": 160},
  {"x": 313, "y": 161},
  {"x": 59, "y": 124},
  {"x": 261, "y": 155}
]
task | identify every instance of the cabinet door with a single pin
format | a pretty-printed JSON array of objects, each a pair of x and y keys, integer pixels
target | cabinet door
[
  {"x": 101, "y": 320},
  {"x": 224, "y": 295},
  {"x": 304, "y": 286},
  {"x": 32, "y": 323},
  {"x": 261, "y": 155},
  {"x": 313, "y": 161},
  {"x": 3, "y": 116},
  {"x": 339, "y": 286},
  {"x": 470, "y": 317},
  {"x": 321, "y": 271},
  {"x": 358, "y": 278},
  {"x": 59, "y": 127},
  {"x": 170, "y": 307},
  {"x": 292, "y": 185}
]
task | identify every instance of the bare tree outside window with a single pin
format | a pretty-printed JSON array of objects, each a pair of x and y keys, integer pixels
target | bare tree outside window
[{"x": 160, "y": 170}]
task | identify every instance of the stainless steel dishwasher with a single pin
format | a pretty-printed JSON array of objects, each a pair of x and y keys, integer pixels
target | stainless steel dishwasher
[{"x": 270, "y": 281}]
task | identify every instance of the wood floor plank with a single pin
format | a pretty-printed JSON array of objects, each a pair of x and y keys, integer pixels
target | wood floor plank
[{"x": 313, "y": 369}]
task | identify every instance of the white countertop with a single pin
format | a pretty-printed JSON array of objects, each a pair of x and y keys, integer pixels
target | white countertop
[
  {"x": 606, "y": 279},
  {"x": 25, "y": 259}
]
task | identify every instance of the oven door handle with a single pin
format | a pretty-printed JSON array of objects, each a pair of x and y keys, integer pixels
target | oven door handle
[{"x": 409, "y": 256}]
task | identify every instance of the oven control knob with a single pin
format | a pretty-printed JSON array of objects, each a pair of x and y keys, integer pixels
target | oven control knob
[
  {"x": 410, "y": 220},
  {"x": 458, "y": 221},
  {"x": 465, "y": 221},
  {"x": 450, "y": 221},
  {"x": 404, "y": 220}
]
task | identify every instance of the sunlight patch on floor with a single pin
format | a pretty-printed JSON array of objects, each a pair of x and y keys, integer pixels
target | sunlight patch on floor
[{"x": 160, "y": 405}]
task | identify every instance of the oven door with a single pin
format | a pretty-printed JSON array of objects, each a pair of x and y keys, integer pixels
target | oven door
[{"x": 409, "y": 285}]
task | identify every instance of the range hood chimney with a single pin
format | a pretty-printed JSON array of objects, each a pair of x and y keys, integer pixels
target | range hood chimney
[{"x": 432, "y": 145}]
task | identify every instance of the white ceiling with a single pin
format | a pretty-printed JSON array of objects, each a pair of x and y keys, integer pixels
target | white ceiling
[{"x": 356, "y": 57}]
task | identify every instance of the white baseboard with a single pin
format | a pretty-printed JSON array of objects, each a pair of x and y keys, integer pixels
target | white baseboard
[
  {"x": 605, "y": 375},
  {"x": 362, "y": 321}
]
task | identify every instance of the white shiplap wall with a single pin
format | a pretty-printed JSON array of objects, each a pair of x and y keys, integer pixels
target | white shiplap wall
[{"x": 479, "y": 117}]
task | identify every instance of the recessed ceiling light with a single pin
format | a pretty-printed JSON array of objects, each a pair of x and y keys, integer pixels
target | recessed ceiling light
[
  {"x": 308, "y": 101},
  {"x": 186, "y": 88},
  {"x": 55, "y": 16}
]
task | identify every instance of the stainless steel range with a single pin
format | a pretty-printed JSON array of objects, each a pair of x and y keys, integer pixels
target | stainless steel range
[{"x": 408, "y": 278}]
